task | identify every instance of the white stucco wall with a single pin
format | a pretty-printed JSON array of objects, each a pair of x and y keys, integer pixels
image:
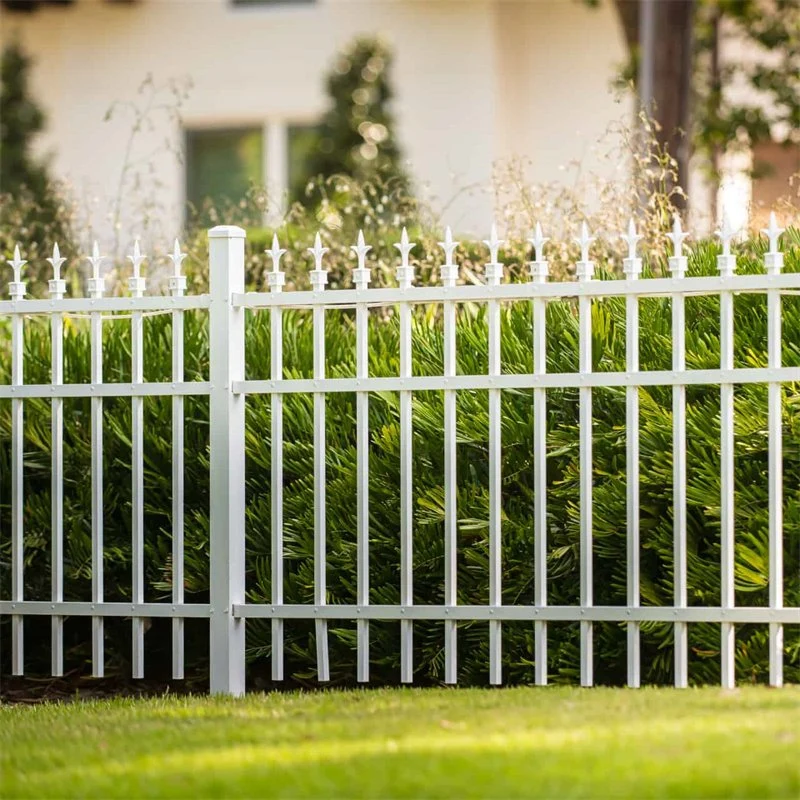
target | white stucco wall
[
  {"x": 476, "y": 80},
  {"x": 556, "y": 62}
]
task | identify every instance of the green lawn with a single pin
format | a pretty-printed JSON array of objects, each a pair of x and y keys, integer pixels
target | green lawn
[{"x": 554, "y": 742}]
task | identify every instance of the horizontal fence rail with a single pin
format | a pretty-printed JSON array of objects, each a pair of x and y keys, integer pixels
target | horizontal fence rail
[{"x": 227, "y": 305}]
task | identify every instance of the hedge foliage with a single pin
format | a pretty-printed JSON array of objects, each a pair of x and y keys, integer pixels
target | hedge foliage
[{"x": 608, "y": 326}]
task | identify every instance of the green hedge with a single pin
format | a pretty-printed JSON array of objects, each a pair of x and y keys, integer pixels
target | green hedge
[{"x": 518, "y": 491}]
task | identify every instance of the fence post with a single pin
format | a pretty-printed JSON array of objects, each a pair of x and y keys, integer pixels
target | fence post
[{"x": 226, "y": 337}]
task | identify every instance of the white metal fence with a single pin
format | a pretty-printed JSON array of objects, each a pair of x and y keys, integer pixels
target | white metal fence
[{"x": 227, "y": 389}]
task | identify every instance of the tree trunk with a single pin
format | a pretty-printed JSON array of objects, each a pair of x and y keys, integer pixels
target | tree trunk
[
  {"x": 716, "y": 94},
  {"x": 672, "y": 69}
]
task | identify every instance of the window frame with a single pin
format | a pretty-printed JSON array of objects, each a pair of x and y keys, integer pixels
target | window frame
[
  {"x": 232, "y": 125},
  {"x": 279, "y": 124},
  {"x": 270, "y": 6}
]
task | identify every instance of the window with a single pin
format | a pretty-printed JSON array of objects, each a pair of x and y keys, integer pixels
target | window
[
  {"x": 272, "y": 2},
  {"x": 302, "y": 140},
  {"x": 222, "y": 164}
]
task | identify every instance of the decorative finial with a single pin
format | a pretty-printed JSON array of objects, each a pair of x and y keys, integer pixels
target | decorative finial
[
  {"x": 493, "y": 243},
  {"x": 136, "y": 258},
  {"x": 177, "y": 283},
  {"x": 275, "y": 253},
  {"x": 631, "y": 238},
  {"x": 17, "y": 264},
  {"x": 177, "y": 258},
  {"x": 136, "y": 283},
  {"x": 317, "y": 251},
  {"x": 726, "y": 233},
  {"x": 95, "y": 259},
  {"x": 361, "y": 249},
  {"x": 677, "y": 236},
  {"x": 773, "y": 233},
  {"x": 449, "y": 246},
  {"x": 361, "y": 274},
  {"x": 584, "y": 240},
  {"x": 538, "y": 242},
  {"x": 726, "y": 263},
  {"x": 55, "y": 262},
  {"x": 405, "y": 272},
  {"x": 405, "y": 247}
]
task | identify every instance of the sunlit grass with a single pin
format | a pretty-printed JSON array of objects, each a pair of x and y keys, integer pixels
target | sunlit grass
[{"x": 554, "y": 742}]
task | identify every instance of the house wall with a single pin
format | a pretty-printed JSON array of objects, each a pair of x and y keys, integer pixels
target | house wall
[
  {"x": 475, "y": 81},
  {"x": 556, "y": 64}
]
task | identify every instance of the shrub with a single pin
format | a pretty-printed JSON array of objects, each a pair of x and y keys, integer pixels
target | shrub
[{"x": 518, "y": 491}]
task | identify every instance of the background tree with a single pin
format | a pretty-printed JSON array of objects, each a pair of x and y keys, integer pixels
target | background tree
[
  {"x": 357, "y": 134},
  {"x": 691, "y": 84},
  {"x": 20, "y": 121},
  {"x": 29, "y": 200},
  {"x": 771, "y": 109},
  {"x": 668, "y": 94}
]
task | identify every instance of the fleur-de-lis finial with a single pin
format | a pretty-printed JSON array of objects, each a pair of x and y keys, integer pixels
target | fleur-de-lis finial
[
  {"x": 177, "y": 283},
  {"x": 361, "y": 249},
  {"x": 16, "y": 288},
  {"x": 584, "y": 240},
  {"x": 17, "y": 264},
  {"x": 773, "y": 233},
  {"x": 95, "y": 259},
  {"x": 177, "y": 258},
  {"x": 677, "y": 236},
  {"x": 55, "y": 262},
  {"x": 405, "y": 272},
  {"x": 449, "y": 246},
  {"x": 275, "y": 253},
  {"x": 405, "y": 247},
  {"x": 726, "y": 233},
  {"x": 538, "y": 242},
  {"x": 136, "y": 258},
  {"x": 631, "y": 238},
  {"x": 493, "y": 243},
  {"x": 317, "y": 251}
]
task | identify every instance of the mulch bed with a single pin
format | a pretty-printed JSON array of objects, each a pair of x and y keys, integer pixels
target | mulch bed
[{"x": 76, "y": 685}]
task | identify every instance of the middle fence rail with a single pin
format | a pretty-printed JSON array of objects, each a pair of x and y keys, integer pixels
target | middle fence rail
[{"x": 227, "y": 389}]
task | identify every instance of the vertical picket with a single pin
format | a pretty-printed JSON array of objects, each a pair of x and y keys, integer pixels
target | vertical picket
[
  {"x": 633, "y": 268},
  {"x": 405, "y": 278},
  {"x": 449, "y": 275},
  {"x": 17, "y": 292},
  {"x": 677, "y": 267},
  {"x": 96, "y": 286},
  {"x": 361, "y": 281},
  {"x": 726, "y": 264},
  {"x": 539, "y": 273},
  {"x": 585, "y": 272},
  {"x": 57, "y": 289},
  {"x": 276, "y": 280},
  {"x": 177, "y": 285},
  {"x": 774, "y": 263},
  {"x": 494, "y": 274},
  {"x": 227, "y": 435},
  {"x": 136, "y": 286},
  {"x": 319, "y": 277}
]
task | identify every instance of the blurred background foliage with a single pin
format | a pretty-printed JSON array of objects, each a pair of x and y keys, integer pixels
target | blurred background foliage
[
  {"x": 33, "y": 208},
  {"x": 705, "y": 106},
  {"x": 347, "y": 172}
]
